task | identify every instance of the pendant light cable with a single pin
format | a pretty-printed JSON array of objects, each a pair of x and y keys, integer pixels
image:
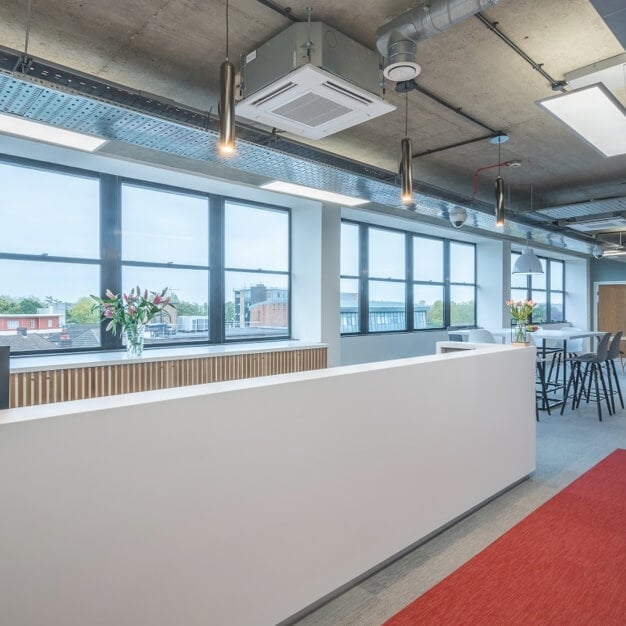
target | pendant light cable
[
  {"x": 23, "y": 63},
  {"x": 227, "y": 29},
  {"x": 406, "y": 113},
  {"x": 28, "y": 20},
  {"x": 226, "y": 144}
]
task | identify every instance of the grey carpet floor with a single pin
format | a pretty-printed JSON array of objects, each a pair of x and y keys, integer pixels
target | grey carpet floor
[{"x": 567, "y": 446}]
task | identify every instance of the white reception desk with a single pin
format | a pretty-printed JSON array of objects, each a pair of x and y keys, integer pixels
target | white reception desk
[{"x": 243, "y": 502}]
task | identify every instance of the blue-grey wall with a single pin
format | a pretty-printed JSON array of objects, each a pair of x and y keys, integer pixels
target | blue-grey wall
[{"x": 606, "y": 270}]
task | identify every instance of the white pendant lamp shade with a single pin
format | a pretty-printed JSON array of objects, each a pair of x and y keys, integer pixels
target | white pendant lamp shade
[{"x": 528, "y": 263}]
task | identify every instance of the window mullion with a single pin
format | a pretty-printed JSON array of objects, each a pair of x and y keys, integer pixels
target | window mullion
[
  {"x": 110, "y": 248},
  {"x": 408, "y": 278},
  {"x": 364, "y": 291},
  {"x": 216, "y": 269}
]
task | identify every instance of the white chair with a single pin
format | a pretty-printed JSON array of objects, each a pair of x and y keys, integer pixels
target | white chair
[{"x": 480, "y": 335}]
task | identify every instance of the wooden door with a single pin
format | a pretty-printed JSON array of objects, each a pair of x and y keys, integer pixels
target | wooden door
[{"x": 612, "y": 308}]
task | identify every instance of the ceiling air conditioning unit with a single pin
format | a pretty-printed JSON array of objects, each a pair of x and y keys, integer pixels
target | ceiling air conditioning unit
[
  {"x": 312, "y": 81},
  {"x": 604, "y": 224}
]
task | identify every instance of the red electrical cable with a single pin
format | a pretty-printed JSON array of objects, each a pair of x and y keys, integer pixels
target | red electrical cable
[{"x": 480, "y": 169}]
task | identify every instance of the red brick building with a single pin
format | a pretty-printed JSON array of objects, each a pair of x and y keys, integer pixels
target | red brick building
[{"x": 32, "y": 322}]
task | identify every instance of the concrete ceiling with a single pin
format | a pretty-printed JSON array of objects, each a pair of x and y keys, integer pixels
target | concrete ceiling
[{"x": 173, "y": 49}]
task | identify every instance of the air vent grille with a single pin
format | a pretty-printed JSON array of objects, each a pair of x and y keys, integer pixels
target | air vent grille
[
  {"x": 311, "y": 109},
  {"x": 273, "y": 94},
  {"x": 347, "y": 92}
]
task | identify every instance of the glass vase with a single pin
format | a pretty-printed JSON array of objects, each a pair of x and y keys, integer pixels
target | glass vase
[
  {"x": 519, "y": 333},
  {"x": 134, "y": 340}
]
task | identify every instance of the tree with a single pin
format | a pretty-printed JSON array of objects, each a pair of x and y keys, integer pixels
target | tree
[
  {"x": 190, "y": 308},
  {"x": 29, "y": 305},
  {"x": 229, "y": 312},
  {"x": 7, "y": 304},
  {"x": 435, "y": 315},
  {"x": 462, "y": 313},
  {"x": 83, "y": 312}
]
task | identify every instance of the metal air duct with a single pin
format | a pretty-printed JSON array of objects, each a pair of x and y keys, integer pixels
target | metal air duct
[{"x": 396, "y": 39}]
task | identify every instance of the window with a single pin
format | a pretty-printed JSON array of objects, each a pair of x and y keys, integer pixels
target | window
[
  {"x": 256, "y": 261},
  {"x": 68, "y": 234},
  {"x": 547, "y": 289},
  {"x": 462, "y": 284},
  {"x": 165, "y": 243},
  {"x": 404, "y": 273},
  {"x": 387, "y": 280},
  {"x": 428, "y": 283},
  {"x": 49, "y": 257}
]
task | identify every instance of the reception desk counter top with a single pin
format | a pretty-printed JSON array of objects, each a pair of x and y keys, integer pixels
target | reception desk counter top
[{"x": 297, "y": 482}]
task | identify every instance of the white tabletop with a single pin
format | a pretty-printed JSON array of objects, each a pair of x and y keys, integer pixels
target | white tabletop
[{"x": 567, "y": 333}]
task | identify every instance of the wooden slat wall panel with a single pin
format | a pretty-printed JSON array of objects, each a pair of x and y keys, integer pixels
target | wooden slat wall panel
[{"x": 62, "y": 385}]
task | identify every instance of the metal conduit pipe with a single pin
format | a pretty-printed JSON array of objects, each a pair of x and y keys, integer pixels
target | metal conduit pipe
[{"x": 396, "y": 39}]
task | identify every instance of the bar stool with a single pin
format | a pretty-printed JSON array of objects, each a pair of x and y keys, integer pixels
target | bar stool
[
  {"x": 542, "y": 401},
  {"x": 593, "y": 368}
]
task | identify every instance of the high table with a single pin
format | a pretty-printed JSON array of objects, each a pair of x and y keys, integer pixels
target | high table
[{"x": 563, "y": 335}]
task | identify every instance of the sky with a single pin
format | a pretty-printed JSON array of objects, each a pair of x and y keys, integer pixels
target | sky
[
  {"x": 53, "y": 214},
  {"x": 387, "y": 260}
]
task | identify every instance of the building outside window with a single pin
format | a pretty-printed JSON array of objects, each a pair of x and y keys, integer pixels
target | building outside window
[
  {"x": 49, "y": 257},
  {"x": 256, "y": 279}
]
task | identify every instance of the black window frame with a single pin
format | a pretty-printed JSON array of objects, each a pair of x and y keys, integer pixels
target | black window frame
[
  {"x": 364, "y": 280},
  {"x": 110, "y": 260}
]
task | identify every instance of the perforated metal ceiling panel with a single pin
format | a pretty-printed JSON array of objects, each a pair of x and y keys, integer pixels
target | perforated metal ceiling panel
[
  {"x": 34, "y": 101},
  {"x": 586, "y": 209}
]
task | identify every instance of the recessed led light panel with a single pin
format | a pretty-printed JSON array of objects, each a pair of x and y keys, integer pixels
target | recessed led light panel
[
  {"x": 314, "y": 194},
  {"x": 595, "y": 114},
  {"x": 50, "y": 134}
]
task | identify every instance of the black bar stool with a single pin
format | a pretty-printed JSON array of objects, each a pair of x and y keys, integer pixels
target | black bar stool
[{"x": 593, "y": 368}]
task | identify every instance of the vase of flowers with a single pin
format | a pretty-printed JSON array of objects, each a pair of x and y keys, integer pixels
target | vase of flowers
[
  {"x": 520, "y": 312},
  {"x": 130, "y": 312}
]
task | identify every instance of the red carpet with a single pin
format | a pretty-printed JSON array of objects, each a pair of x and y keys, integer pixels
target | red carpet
[{"x": 563, "y": 564}]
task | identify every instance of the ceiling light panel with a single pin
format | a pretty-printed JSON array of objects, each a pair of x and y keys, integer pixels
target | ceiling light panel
[
  {"x": 30, "y": 129},
  {"x": 594, "y": 114},
  {"x": 314, "y": 194}
]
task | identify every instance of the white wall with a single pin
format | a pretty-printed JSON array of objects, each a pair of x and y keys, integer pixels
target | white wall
[
  {"x": 330, "y": 300},
  {"x": 493, "y": 267},
  {"x": 385, "y": 346},
  {"x": 578, "y": 297},
  {"x": 241, "y": 503},
  {"x": 306, "y": 270}
]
